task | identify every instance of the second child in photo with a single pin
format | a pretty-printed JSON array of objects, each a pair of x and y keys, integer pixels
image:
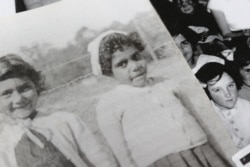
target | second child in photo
[{"x": 146, "y": 121}]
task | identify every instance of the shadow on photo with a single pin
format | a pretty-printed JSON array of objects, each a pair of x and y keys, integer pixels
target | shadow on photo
[{"x": 24, "y": 5}]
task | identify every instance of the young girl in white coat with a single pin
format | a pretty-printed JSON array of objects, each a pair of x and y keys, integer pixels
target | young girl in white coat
[
  {"x": 146, "y": 121},
  {"x": 29, "y": 138}
]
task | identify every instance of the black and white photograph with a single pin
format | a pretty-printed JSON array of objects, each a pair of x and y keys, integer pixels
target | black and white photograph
[
  {"x": 214, "y": 38},
  {"x": 104, "y": 83}
]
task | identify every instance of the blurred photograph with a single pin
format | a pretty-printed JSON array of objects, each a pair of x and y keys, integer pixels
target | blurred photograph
[{"x": 105, "y": 87}]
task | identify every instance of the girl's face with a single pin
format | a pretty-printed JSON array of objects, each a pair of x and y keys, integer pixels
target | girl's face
[
  {"x": 18, "y": 97},
  {"x": 245, "y": 74},
  {"x": 223, "y": 91},
  {"x": 129, "y": 67},
  {"x": 186, "y": 6},
  {"x": 184, "y": 46}
]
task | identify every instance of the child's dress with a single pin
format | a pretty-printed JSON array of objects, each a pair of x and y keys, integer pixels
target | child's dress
[
  {"x": 56, "y": 140},
  {"x": 144, "y": 125},
  {"x": 237, "y": 121}
]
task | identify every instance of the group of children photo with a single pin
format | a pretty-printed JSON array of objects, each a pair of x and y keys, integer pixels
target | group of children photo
[
  {"x": 146, "y": 120},
  {"x": 213, "y": 37},
  {"x": 137, "y": 117}
]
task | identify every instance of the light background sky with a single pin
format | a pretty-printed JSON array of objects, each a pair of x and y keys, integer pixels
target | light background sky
[
  {"x": 57, "y": 23},
  {"x": 7, "y": 7}
]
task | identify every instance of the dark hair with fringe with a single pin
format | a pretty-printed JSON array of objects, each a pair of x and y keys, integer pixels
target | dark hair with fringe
[
  {"x": 214, "y": 47},
  {"x": 116, "y": 42},
  {"x": 211, "y": 70},
  {"x": 242, "y": 56},
  {"x": 241, "y": 59},
  {"x": 13, "y": 66}
]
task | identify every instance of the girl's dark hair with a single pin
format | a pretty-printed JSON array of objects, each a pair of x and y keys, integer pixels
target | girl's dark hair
[
  {"x": 186, "y": 32},
  {"x": 242, "y": 56},
  {"x": 211, "y": 70},
  {"x": 214, "y": 47},
  {"x": 194, "y": 45},
  {"x": 13, "y": 66},
  {"x": 241, "y": 59},
  {"x": 116, "y": 42}
]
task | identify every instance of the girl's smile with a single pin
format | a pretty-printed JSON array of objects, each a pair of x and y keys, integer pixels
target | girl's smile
[
  {"x": 139, "y": 79},
  {"x": 18, "y": 97}
]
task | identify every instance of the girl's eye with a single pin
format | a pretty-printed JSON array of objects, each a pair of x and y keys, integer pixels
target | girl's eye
[
  {"x": 136, "y": 57},
  {"x": 7, "y": 93},
  {"x": 184, "y": 42},
  {"x": 217, "y": 90},
  {"x": 123, "y": 64},
  {"x": 232, "y": 85},
  {"x": 25, "y": 88},
  {"x": 248, "y": 70}
]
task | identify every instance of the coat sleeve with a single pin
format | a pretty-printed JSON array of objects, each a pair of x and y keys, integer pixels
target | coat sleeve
[
  {"x": 6, "y": 160},
  {"x": 109, "y": 116},
  {"x": 90, "y": 149},
  {"x": 7, "y": 149}
]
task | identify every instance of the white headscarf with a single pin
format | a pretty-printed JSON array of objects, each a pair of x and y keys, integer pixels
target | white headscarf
[
  {"x": 205, "y": 59},
  {"x": 93, "y": 49}
]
